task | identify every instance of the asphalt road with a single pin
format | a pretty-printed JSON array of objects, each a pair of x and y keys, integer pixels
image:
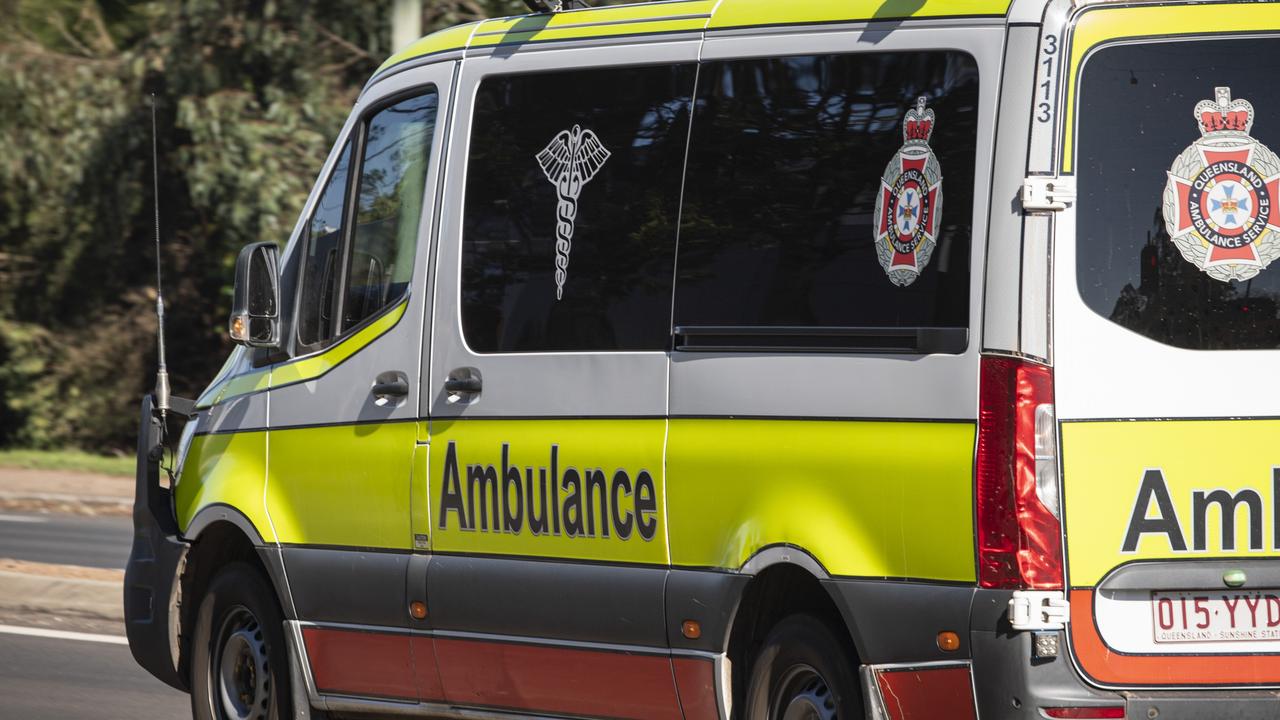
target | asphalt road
[
  {"x": 55, "y": 679},
  {"x": 100, "y": 542}
]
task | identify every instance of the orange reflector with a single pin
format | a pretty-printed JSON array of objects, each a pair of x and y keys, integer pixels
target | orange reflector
[
  {"x": 691, "y": 629},
  {"x": 948, "y": 641},
  {"x": 418, "y": 610}
]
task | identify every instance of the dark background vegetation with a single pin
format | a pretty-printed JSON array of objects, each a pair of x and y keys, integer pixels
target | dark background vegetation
[{"x": 251, "y": 94}]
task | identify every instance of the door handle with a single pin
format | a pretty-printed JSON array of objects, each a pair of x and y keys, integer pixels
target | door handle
[
  {"x": 393, "y": 388},
  {"x": 463, "y": 385},
  {"x": 460, "y": 385},
  {"x": 390, "y": 388}
]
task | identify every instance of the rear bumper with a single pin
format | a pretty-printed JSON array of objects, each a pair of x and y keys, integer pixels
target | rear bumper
[
  {"x": 151, "y": 586},
  {"x": 1009, "y": 684}
]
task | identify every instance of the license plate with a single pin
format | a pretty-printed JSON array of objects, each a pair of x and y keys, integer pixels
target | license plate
[{"x": 1190, "y": 616}]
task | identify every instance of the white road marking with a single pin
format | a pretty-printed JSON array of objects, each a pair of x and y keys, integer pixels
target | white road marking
[
  {"x": 63, "y": 635},
  {"x": 23, "y": 518}
]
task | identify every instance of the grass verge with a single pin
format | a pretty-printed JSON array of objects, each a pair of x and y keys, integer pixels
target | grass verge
[{"x": 73, "y": 460}]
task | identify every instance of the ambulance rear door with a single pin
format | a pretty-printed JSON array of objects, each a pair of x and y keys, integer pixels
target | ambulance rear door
[{"x": 1166, "y": 326}]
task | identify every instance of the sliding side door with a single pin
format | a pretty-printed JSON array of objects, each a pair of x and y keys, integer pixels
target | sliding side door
[{"x": 548, "y": 387}]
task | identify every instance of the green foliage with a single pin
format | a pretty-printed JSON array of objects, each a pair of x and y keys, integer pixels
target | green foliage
[{"x": 250, "y": 95}]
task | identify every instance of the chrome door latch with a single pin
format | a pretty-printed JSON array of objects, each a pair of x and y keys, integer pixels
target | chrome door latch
[
  {"x": 1048, "y": 193},
  {"x": 1039, "y": 610}
]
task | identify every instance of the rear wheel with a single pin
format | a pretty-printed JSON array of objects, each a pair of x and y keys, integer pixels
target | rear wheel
[
  {"x": 239, "y": 664},
  {"x": 803, "y": 672}
]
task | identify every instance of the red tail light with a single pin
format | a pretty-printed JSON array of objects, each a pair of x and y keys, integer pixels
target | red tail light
[{"x": 1019, "y": 534}]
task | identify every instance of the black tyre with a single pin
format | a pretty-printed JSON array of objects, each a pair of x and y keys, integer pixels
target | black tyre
[
  {"x": 803, "y": 672},
  {"x": 239, "y": 662}
]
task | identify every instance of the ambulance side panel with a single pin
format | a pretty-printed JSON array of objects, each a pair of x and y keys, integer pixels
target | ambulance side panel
[{"x": 862, "y": 460}]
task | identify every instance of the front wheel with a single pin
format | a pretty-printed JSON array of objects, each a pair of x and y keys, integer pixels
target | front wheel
[
  {"x": 803, "y": 672},
  {"x": 239, "y": 664}
]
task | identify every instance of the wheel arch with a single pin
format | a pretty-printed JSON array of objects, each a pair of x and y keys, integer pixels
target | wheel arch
[
  {"x": 784, "y": 580},
  {"x": 220, "y": 534}
]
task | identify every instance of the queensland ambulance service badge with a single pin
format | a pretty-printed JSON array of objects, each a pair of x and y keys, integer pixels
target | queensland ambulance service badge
[
  {"x": 1219, "y": 202},
  {"x": 910, "y": 201}
]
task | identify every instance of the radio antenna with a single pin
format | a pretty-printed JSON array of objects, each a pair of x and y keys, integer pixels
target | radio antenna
[{"x": 162, "y": 372}]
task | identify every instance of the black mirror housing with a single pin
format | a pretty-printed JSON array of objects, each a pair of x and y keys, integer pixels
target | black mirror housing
[{"x": 255, "y": 307}]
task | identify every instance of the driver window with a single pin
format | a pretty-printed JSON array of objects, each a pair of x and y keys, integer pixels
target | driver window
[
  {"x": 322, "y": 261},
  {"x": 353, "y": 268},
  {"x": 397, "y": 150}
]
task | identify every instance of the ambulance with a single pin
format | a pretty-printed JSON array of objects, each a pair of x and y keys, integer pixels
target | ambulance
[{"x": 721, "y": 359}]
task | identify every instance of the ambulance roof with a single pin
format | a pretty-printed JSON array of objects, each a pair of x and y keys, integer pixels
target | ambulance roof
[{"x": 673, "y": 16}]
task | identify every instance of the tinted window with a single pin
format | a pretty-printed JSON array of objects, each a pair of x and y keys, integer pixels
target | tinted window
[
  {"x": 789, "y": 163},
  {"x": 397, "y": 150},
  {"x": 1175, "y": 235},
  {"x": 573, "y": 185},
  {"x": 321, "y": 261}
]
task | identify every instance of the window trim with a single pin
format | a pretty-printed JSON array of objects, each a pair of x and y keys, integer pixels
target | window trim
[{"x": 356, "y": 140}]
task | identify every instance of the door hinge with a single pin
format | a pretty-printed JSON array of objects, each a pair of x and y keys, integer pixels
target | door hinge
[
  {"x": 1038, "y": 610},
  {"x": 1048, "y": 193}
]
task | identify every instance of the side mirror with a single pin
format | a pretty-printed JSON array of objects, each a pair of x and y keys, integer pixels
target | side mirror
[{"x": 255, "y": 308}]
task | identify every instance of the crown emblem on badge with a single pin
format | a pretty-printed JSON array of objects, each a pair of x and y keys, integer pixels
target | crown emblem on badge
[
  {"x": 909, "y": 203},
  {"x": 918, "y": 124},
  {"x": 1219, "y": 201},
  {"x": 1224, "y": 115}
]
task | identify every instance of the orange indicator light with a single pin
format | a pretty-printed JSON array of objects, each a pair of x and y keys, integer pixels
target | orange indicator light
[
  {"x": 691, "y": 629},
  {"x": 948, "y": 641},
  {"x": 418, "y": 610}
]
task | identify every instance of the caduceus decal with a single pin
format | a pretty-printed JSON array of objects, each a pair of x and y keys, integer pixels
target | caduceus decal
[{"x": 570, "y": 161}]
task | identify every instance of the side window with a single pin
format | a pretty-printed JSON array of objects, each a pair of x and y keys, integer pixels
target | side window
[
  {"x": 397, "y": 150},
  {"x": 317, "y": 305},
  {"x": 814, "y": 195},
  {"x": 352, "y": 270},
  {"x": 573, "y": 186}
]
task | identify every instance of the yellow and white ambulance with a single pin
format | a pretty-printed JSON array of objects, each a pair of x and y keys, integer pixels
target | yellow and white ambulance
[{"x": 726, "y": 359}]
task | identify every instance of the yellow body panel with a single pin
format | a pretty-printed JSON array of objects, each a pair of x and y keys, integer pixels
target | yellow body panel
[
  {"x": 345, "y": 485},
  {"x": 685, "y": 16},
  {"x": 1105, "y": 24},
  {"x": 420, "y": 492},
  {"x": 229, "y": 469},
  {"x": 690, "y": 16},
  {"x": 871, "y": 499},
  {"x": 1104, "y": 466},
  {"x": 739, "y": 13},
  {"x": 632, "y": 446},
  {"x": 875, "y": 499},
  {"x": 454, "y": 38}
]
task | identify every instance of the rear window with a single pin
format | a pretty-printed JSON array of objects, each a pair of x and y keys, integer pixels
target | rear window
[
  {"x": 814, "y": 203},
  {"x": 1177, "y": 228}
]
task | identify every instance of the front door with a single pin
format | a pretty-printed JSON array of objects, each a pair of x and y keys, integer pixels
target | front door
[
  {"x": 343, "y": 409},
  {"x": 548, "y": 382}
]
